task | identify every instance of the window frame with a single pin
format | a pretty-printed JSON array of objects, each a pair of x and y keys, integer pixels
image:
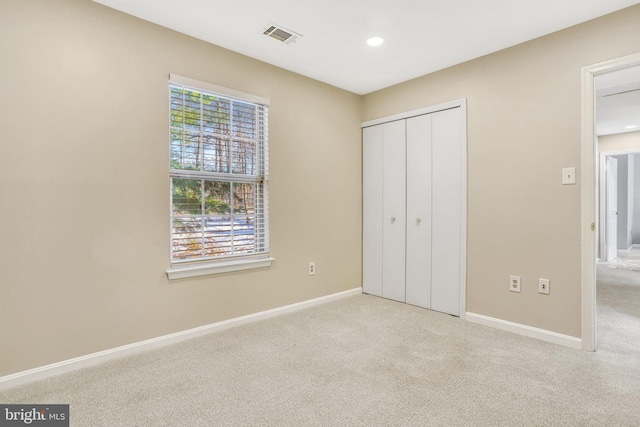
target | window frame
[{"x": 181, "y": 269}]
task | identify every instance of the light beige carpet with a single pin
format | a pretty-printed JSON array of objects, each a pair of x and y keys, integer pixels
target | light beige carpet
[
  {"x": 626, "y": 260},
  {"x": 361, "y": 361},
  {"x": 618, "y": 294}
]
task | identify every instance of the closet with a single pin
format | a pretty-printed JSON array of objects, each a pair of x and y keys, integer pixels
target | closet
[{"x": 414, "y": 207}]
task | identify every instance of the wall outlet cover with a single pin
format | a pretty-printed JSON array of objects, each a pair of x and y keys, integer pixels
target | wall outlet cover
[
  {"x": 514, "y": 283},
  {"x": 543, "y": 286}
]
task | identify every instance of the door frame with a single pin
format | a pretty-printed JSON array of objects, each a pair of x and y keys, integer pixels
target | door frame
[
  {"x": 462, "y": 104},
  {"x": 589, "y": 197}
]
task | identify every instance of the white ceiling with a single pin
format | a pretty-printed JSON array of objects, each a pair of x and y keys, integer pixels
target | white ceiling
[
  {"x": 618, "y": 101},
  {"x": 421, "y": 36}
]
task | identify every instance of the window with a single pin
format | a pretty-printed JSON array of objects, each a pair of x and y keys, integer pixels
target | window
[{"x": 218, "y": 174}]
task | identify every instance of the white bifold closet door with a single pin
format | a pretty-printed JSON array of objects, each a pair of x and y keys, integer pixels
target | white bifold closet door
[
  {"x": 384, "y": 181},
  {"x": 418, "y": 255},
  {"x": 447, "y": 198},
  {"x": 372, "y": 210},
  {"x": 412, "y": 210},
  {"x": 393, "y": 210}
]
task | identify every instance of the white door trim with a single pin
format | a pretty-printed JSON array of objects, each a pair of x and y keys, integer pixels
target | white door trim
[
  {"x": 463, "y": 210},
  {"x": 588, "y": 194},
  {"x": 419, "y": 112}
]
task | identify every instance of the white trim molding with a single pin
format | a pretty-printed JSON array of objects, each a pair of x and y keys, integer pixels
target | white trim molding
[
  {"x": 233, "y": 93},
  {"x": 528, "y": 331},
  {"x": 93, "y": 359},
  {"x": 419, "y": 112},
  {"x": 589, "y": 198},
  {"x": 463, "y": 211},
  {"x": 216, "y": 267}
]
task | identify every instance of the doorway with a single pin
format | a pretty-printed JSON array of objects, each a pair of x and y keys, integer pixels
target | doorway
[
  {"x": 619, "y": 198},
  {"x": 591, "y": 206}
]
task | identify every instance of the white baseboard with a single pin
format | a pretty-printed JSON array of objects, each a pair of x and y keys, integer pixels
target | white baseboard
[
  {"x": 92, "y": 359},
  {"x": 529, "y": 331}
]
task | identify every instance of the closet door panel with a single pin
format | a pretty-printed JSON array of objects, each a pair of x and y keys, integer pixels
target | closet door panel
[
  {"x": 418, "y": 256},
  {"x": 372, "y": 210},
  {"x": 394, "y": 210},
  {"x": 446, "y": 212}
]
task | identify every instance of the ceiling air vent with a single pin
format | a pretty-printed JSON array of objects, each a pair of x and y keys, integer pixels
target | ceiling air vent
[{"x": 281, "y": 34}]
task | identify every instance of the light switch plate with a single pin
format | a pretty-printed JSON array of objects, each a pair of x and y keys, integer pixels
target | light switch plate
[{"x": 568, "y": 176}]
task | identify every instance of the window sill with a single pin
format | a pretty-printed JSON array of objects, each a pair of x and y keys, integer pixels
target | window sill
[{"x": 217, "y": 267}]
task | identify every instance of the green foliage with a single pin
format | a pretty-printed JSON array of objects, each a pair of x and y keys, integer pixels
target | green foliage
[
  {"x": 212, "y": 205},
  {"x": 187, "y": 197}
]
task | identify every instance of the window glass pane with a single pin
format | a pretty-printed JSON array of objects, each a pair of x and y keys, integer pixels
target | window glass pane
[
  {"x": 217, "y": 197},
  {"x": 244, "y": 198},
  {"x": 186, "y": 238},
  {"x": 245, "y": 157},
  {"x": 218, "y": 236},
  {"x": 215, "y": 114},
  {"x": 192, "y": 110},
  {"x": 177, "y": 110},
  {"x": 244, "y": 120},
  {"x": 243, "y": 233},
  {"x": 185, "y": 150},
  {"x": 186, "y": 196},
  {"x": 217, "y": 152}
]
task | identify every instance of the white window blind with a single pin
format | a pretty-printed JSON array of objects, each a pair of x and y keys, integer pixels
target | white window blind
[{"x": 219, "y": 174}]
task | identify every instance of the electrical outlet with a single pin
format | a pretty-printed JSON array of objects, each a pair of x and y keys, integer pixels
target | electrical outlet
[
  {"x": 543, "y": 286},
  {"x": 514, "y": 283},
  {"x": 312, "y": 268}
]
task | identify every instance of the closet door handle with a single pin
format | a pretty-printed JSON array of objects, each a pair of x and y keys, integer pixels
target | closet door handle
[
  {"x": 393, "y": 220},
  {"x": 418, "y": 220}
]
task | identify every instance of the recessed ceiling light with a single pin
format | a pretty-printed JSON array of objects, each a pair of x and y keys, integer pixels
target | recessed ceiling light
[
  {"x": 375, "y": 41},
  {"x": 631, "y": 127}
]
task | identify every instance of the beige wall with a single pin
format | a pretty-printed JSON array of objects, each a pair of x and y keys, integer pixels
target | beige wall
[
  {"x": 523, "y": 128},
  {"x": 84, "y": 179},
  {"x": 619, "y": 142},
  {"x": 84, "y": 184}
]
